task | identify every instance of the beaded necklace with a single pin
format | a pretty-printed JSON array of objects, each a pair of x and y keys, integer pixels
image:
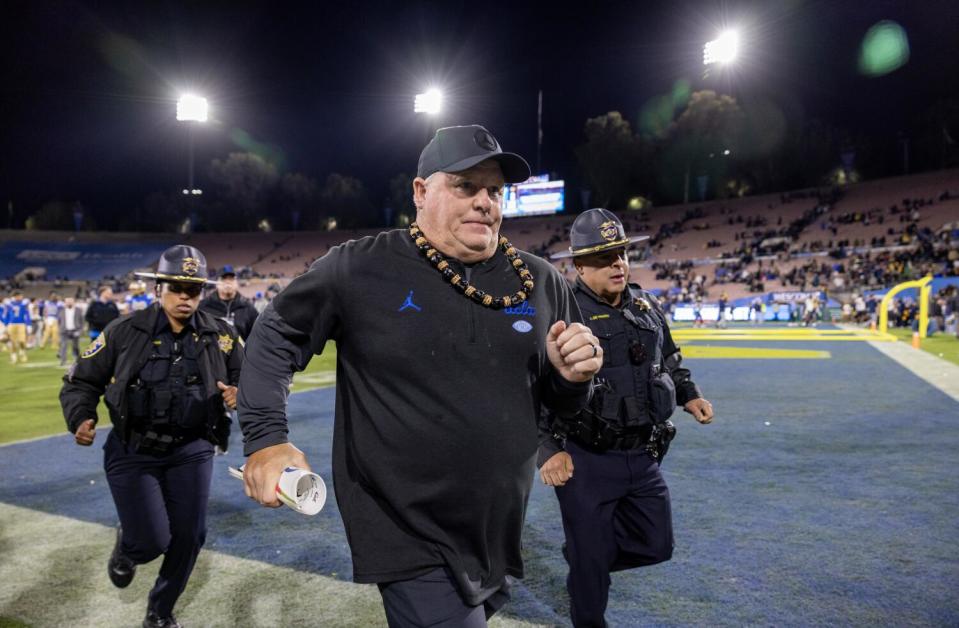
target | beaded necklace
[{"x": 459, "y": 282}]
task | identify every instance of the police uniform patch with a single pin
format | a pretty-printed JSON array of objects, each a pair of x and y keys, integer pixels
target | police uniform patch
[
  {"x": 190, "y": 265},
  {"x": 642, "y": 303},
  {"x": 95, "y": 346},
  {"x": 226, "y": 343},
  {"x": 609, "y": 231}
]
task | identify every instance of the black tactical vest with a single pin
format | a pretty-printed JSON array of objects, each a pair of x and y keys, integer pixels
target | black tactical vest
[
  {"x": 168, "y": 395},
  {"x": 632, "y": 339}
]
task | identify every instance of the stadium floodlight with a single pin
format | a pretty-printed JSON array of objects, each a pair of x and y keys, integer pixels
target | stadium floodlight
[
  {"x": 722, "y": 50},
  {"x": 431, "y": 102},
  {"x": 191, "y": 108}
]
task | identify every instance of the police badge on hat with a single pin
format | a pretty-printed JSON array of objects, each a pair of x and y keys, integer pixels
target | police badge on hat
[
  {"x": 609, "y": 231},
  {"x": 190, "y": 265}
]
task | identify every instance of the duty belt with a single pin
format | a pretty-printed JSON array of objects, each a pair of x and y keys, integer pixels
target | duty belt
[
  {"x": 598, "y": 435},
  {"x": 161, "y": 442}
]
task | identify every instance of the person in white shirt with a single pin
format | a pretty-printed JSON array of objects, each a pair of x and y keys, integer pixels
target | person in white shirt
[{"x": 70, "y": 321}]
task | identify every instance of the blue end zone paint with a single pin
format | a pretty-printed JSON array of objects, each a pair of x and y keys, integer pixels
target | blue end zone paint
[{"x": 845, "y": 510}]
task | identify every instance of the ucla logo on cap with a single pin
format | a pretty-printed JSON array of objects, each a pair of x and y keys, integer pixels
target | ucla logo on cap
[
  {"x": 484, "y": 140},
  {"x": 523, "y": 326}
]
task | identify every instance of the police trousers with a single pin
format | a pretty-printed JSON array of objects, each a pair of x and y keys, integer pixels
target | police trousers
[
  {"x": 616, "y": 515},
  {"x": 161, "y": 502}
]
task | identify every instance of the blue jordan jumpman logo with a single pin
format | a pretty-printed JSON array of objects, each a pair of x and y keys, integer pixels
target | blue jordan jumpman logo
[{"x": 409, "y": 303}]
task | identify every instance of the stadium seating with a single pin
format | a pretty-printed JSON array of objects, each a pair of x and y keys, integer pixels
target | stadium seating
[{"x": 734, "y": 234}]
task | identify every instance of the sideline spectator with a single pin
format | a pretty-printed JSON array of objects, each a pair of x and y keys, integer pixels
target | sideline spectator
[
  {"x": 101, "y": 312},
  {"x": 227, "y": 304},
  {"x": 70, "y": 323}
]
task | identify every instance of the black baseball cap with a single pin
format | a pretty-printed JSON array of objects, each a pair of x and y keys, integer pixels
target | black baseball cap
[{"x": 456, "y": 148}]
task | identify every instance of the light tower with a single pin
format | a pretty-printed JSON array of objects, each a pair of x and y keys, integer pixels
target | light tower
[{"x": 191, "y": 109}]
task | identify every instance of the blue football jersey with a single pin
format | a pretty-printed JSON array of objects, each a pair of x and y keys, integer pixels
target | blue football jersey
[{"x": 18, "y": 312}]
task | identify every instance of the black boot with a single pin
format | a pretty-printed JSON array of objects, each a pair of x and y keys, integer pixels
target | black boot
[
  {"x": 152, "y": 620},
  {"x": 120, "y": 568}
]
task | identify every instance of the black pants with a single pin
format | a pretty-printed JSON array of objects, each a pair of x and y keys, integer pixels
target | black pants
[
  {"x": 162, "y": 504},
  {"x": 433, "y": 600},
  {"x": 616, "y": 516}
]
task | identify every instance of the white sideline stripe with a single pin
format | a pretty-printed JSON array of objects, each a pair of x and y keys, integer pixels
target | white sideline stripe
[
  {"x": 53, "y": 570},
  {"x": 50, "y": 557},
  {"x": 36, "y": 438},
  {"x": 937, "y": 372}
]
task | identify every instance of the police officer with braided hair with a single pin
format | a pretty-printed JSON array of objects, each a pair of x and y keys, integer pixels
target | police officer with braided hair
[
  {"x": 168, "y": 374},
  {"x": 615, "y": 508}
]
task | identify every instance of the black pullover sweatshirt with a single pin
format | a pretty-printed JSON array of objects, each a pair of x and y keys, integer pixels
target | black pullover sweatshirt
[{"x": 437, "y": 398}]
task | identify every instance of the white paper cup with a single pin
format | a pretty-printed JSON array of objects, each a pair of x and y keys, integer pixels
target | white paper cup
[{"x": 301, "y": 490}]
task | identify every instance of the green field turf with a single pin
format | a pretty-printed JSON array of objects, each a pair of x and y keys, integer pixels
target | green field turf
[
  {"x": 946, "y": 346},
  {"x": 30, "y": 392}
]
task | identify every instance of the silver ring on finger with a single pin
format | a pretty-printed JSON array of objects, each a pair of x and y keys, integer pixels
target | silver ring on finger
[{"x": 595, "y": 350}]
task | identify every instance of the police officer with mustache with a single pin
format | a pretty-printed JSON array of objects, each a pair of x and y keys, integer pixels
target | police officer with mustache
[{"x": 615, "y": 507}]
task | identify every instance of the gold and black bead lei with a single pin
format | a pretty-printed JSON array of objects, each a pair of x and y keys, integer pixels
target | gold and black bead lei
[{"x": 472, "y": 292}]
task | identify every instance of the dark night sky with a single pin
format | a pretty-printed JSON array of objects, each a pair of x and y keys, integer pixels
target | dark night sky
[{"x": 89, "y": 88}]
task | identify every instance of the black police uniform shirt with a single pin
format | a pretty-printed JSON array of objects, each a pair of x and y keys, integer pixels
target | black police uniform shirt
[
  {"x": 114, "y": 361},
  {"x": 436, "y": 403},
  {"x": 633, "y": 335}
]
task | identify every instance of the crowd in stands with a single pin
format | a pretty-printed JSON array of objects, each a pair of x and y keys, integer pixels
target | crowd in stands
[{"x": 845, "y": 241}]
